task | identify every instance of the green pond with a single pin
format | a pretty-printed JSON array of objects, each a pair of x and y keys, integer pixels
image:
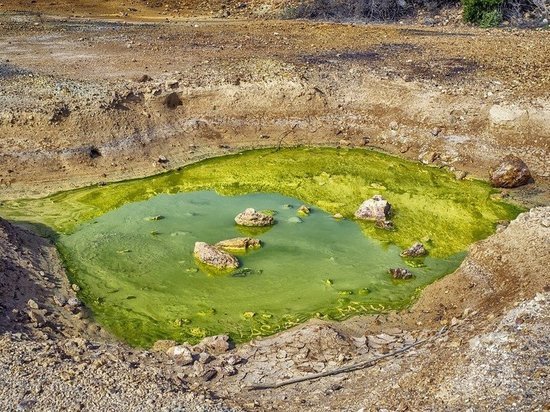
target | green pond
[{"x": 138, "y": 275}]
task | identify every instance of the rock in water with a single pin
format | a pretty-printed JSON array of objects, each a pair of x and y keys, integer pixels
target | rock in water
[
  {"x": 304, "y": 210},
  {"x": 376, "y": 208},
  {"x": 239, "y": 243},
  {"x": 212, "y": 256},
  {"x": 511, "y": 172},
  {"x": 252, "y": 218},
  {"x": 415, "y": 250},
  {"x": 400, "y": 273}
]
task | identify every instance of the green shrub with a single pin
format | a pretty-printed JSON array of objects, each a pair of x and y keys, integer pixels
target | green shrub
[
  {"x": 486, "y": 13},
  {"x": 491, "y": 18}
]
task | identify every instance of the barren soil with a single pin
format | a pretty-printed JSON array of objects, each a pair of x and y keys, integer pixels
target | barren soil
[{"x": 76, "y": 110}]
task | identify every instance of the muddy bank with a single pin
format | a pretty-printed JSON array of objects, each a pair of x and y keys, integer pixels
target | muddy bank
[{"x": 97, "y": 108}]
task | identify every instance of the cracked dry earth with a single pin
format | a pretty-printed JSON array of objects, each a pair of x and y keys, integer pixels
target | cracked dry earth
[{"x": 75, "y": 109}]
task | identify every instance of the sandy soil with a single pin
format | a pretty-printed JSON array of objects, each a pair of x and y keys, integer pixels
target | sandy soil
[{"x": 75, "y": 110}]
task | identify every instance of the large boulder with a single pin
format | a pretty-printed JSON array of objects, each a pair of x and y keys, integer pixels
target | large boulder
[
  {"x": 213, "y": 256},
  {"x": 239, "y": 244},
  {"x": 511, "y": 172},
  {"x": 376, "y": 208},
  {"x": 252, "y": 218}
]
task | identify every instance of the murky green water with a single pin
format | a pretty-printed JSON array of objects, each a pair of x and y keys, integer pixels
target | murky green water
[{"x": 140, "y": 279}]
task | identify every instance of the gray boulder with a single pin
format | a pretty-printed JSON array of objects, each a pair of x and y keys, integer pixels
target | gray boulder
[
  {"x": 213, "y": 256},
  {"x": 252, "y": 218},
  {"x": 376, "y": 208}
]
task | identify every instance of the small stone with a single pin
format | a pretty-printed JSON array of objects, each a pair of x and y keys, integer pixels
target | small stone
[
  {"x": 209, "y": 375},
  {"x": 337, "y": 216},
  {"x": 74, "y": 302},
  {"x": 428, "y": 157},
  {"x": 182, "y": 353},
  {"x": 32, "y": 304},
  {"x": 75, "y": 287},
  {"x": 295, "y": 219},
  {"x": 400, "y": 273},
  {"x": 216, "y": 344},
  {"x": 162, "y": 159},
  {"x": 436, "y": 131},
  {"x": 59, "y": 300},
  {"x": 415, "y": 250},
  {"x": 205, "y": 357},
  {"x": 511, "y": 172},
  {"x": 172, "y": 100},
  {"x": 304, "y": 210},
  {"x": 460, "y": 175},
  {"x": 376, "y": 208},
  {"x": 394, "y": 125}
]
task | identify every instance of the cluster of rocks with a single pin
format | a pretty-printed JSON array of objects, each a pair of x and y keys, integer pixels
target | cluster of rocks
[
  {"x": 217, "y": 255},
  {"x": 206, "y": 361}
]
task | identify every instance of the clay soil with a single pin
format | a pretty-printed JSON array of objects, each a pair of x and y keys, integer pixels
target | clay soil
[{"x": 88, "y": 100}]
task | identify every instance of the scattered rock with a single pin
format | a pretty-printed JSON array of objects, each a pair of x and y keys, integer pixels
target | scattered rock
[
  {"x": 460, "y": 174},
  {"x": 74, "y": 302},
  {"x": 376, "y": 208},
  {"x": 216, "y": 344},
  {"x": 182, "y": 353},
  {"x": 428, "y": 157},
  {"x": 303, "y": 210},
  {"x": 213, "y": 256},
  {"x": 252, "y": 218},
  {"x": 209, "y": 374},
  {"x": 511, "y": 172},
  {"x": 143, "y": 79},
  {"x": 239, "y": 244},
  {"x": 172, "y": 100},
  {"x": 400, "y": 273},
  {"x": 415, "y": 250}
]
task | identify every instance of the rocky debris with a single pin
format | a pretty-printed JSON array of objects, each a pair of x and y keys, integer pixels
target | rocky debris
[
  {"x": 415, "y": 250},
  {"x": 252, "y": 218},
  {"x": 303, "y": 210},
  {"x": 376, "y": 208},
  {"x": 400, "y": 273},
  {"x": 213, "y": 256},
  {"x": 215, "y": 344},
  {"x": 172, "y": 101},
  {"x": 511, "y": 172},
  {"x": 182, "y": 353},
  {"x": 239, "y": 244},
  {"x": 428, "y": 157}
]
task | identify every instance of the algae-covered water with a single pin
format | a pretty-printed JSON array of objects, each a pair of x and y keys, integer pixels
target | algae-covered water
[{"x": 140, "y": 279}]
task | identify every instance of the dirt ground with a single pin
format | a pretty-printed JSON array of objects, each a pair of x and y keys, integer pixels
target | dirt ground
[{"x": 83, "y": 101}]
